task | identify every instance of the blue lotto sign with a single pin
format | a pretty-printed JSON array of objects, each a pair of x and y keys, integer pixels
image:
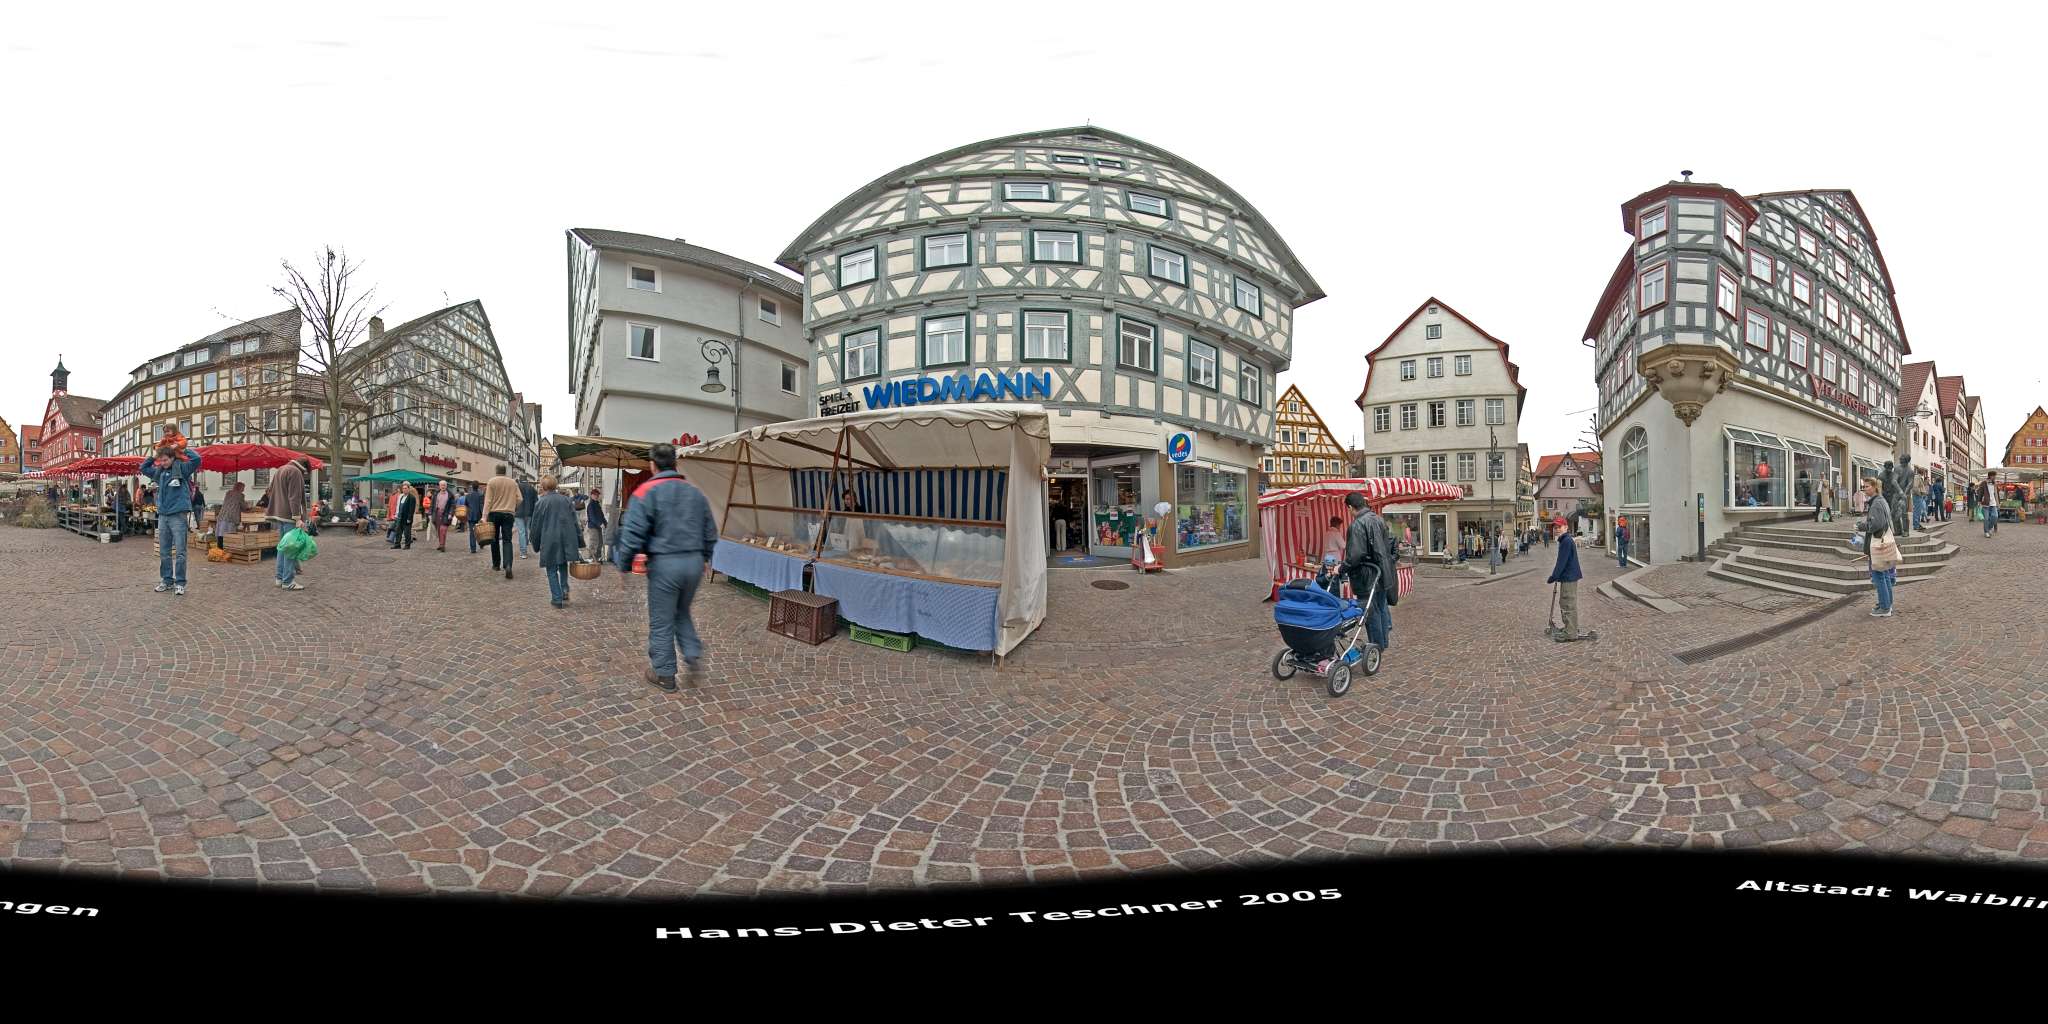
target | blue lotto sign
[{"x": 1180, "y": 447}]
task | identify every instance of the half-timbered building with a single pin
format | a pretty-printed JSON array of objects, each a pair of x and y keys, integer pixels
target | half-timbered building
[
  {"x": 443, "y": 404},
  {"x": 1132, "y": 293},
  {"x": 1303, "y": 452},
  {"x": 2028, "y": 448},
  {"x": 1787, "y": 294},
  {"x": 71, "y": 423}
]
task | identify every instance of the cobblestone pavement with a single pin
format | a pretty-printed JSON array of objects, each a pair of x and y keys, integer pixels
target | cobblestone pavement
[{"x": 413, "y": 722}]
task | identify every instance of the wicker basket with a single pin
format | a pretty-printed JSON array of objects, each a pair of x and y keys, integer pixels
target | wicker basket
[
  {"x": 585, "y": 570},
  {"x": 806, "y": 617},
  {"x": 486, "y": 532}
]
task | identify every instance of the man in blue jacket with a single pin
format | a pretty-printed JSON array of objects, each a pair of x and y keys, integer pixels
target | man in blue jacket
[
  {"x": 1566, "y": 576},
  {"x": 173, "y": 478},
  {"x": 474, "y": 503},
  {"x": 669, "y": 520}
]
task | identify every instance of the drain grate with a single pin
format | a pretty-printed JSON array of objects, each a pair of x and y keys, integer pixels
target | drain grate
[
  {"x": 1720, "y": 648},
  {"x": 1110, "y": 585}
]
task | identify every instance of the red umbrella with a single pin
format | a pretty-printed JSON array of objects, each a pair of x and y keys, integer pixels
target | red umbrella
[
  {"x": 233, "y": 458},
  {"x": 102, "y": 466}
]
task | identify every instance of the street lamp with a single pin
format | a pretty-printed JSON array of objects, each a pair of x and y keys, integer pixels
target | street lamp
[{"x": 715, "y": 352}]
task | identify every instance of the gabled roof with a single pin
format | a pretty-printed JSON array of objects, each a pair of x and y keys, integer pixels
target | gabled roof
[
  {"x": 1293, "y": 394},
  {"x": 1971, "y": 406},
  {"x": 1913, "y": 384},
  {"x": 1949, "y": 392},
  {"x": 1550, "y": 464},
  {"x": 1514, "y": 372},
  {"x": 683, "y": 252},
  {"x": 901, "y": 176},
  {"x": 79, "y": 411},
  {"x": 435, "y": 315}
]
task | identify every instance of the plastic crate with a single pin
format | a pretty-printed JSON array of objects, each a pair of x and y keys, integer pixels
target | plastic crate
[
  {"x": 806, "y": 617},
  {"x": 897, "y": 642}
]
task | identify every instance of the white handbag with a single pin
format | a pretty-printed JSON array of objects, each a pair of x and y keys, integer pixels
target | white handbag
[{"x": 1884, "y": 552}]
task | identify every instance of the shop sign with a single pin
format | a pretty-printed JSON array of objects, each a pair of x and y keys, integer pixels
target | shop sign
[
  {"x": 1068, "y": 467},
  {"x": 437, "y": 460},
  {"x": 1180, "y": 446},
  {"x": 930, "y": 390},
  {"x": 1828, "y": 390},
  {"x": 686, "y": 440},
  {"x": 381, "y": 459},
  {"x": 838, "y": 403}
]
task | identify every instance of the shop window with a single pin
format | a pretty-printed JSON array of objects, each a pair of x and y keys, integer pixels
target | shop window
[
  {"x": 1757, "y": 465},
  {"x": 1209, "y": 506}
]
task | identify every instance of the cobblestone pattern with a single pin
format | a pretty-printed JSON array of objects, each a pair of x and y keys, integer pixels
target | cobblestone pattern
[{"x": 413, "y": 722}]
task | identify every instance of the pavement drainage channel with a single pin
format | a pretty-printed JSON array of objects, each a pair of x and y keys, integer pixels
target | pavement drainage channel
[
  {"x": 1745, "y": 641},
  {"x": 1503, "y": 576}
]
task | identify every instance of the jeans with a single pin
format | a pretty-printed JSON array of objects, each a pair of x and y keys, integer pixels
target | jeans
[
  {"x": 472, "y": 538},
  {"x": 672, "y": 582},
  {"x": 558, "y": 581},
  {"x": 1883, "y": 579},
  {"x": 525, "y": 535},
  {"x": 171, "y": 533},
  {"x": 287, "y": 570},
  {"x": 501, "y": 542},
  {"x": 1990, "y": 519},
  {"x": 1919, "y": 510},
  {"x": 1379, "y": 622}
]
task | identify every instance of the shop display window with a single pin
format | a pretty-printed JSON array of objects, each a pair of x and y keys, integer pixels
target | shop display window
[
  {"x": 1115, "y": 515},
  {"x": 1209, "y": 506},
  {"x": 1757, "y": 469}
]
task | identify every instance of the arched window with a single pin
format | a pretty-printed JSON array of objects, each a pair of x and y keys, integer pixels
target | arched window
[{"x": 1635, "y": 467}]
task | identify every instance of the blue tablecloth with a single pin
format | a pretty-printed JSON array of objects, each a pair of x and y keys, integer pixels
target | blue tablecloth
[
  {"x": 955, "y": 614},
  {"x": 772, "y": 571}
]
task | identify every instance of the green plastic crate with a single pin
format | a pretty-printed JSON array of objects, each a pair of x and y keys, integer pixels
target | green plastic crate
[{"x": 887, "y": 641}]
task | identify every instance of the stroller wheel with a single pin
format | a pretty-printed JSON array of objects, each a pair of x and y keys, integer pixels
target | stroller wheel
[
  {"x": 1370, "y": 658},
  {"x": 1340, "y": 679},
  {"x": 1283, "y": 666}
]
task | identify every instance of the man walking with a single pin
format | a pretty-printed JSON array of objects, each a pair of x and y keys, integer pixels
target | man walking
[
  {"x": 528, "y": 498},
  {"x": 286, "y": 501},
  {"x": 593, "y": 517},
  {"x": 1566, "y": 576},
  {"x": 1369, "y": 553},
  {"x": 473, "y": 504},
  {"x": 1987, "y": 499},
  {"x": 501, "y": 507},
  {"x": 669, "y": 520},
  {"x": 173, "y": 478}
]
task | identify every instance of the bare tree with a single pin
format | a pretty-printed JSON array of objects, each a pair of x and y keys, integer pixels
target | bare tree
[{"x": 1591, "y": 435}]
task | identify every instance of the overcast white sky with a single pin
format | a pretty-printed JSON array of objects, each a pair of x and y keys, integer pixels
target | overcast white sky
[{"x": 162, "y": 158}]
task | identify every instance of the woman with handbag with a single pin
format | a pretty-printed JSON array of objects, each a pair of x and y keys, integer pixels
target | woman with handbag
[{"x": 1880, "y": 546}]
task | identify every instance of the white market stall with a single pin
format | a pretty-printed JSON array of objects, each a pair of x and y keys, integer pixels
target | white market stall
[{"x": 945, "y": 536}]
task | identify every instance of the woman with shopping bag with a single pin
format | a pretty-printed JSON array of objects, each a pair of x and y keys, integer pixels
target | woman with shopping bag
[{"x": 1880, "y": 546}]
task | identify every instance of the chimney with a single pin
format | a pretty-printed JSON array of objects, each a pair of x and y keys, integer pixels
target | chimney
[{"x": 376, "y": 328}]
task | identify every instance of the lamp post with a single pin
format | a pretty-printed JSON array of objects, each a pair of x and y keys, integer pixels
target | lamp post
[
  {"x": 715, "y": 352},
  {"x": 1492, "y": 512}
]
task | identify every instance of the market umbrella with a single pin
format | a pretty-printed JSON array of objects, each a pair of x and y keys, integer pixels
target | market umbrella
[
  {"x": 102, "y": 466},
  {"x": 601, "y": 452},
  {"x": 394, "y": 476},
  {"x": 233, "y": 458}
]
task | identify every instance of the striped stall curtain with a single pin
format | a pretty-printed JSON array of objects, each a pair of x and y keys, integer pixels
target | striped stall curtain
[{"x": 975, "y": 495}]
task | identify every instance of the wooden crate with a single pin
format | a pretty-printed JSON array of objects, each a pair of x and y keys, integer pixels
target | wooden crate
[
  {"x": 806, "y": 617},
  {"x": 257, "y": 541}
]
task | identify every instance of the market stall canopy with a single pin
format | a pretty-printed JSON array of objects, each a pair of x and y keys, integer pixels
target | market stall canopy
[
  {"x": 601, "y": 452},
  {"x": 1293, "y": 522},
  {"x": 233, "y": 458},
  {"x": 904, "y": 453},
  {"x": 102, "y": 466},
  {"x": 395, "y": 476}
]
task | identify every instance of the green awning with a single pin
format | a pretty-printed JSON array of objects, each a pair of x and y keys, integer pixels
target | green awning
[{"x": 397, "y": 476}]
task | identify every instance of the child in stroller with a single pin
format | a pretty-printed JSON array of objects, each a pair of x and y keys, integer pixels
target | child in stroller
[{"x": 1313, "y": 620}]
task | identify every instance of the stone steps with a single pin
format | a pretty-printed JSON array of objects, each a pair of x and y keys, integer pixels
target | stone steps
[
  {"x": 1759, "y": 567},
  {"x": 1763, "y": 559}
]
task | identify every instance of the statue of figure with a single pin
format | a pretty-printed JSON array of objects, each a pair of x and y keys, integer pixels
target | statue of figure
[{"x": 1903, "y": 485}]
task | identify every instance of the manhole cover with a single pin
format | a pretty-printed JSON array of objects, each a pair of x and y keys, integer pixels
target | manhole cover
[{"x": 1110, "y": 585}]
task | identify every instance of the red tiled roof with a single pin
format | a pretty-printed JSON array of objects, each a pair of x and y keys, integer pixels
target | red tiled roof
[
  {"x": 1514, "y": 372},
  {"x": 1913, "y": 384},
  {"x": 1548, "y": 465},
  {"x": 1948, "y": 391}
]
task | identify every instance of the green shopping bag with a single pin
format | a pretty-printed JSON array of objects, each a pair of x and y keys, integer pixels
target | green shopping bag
[{"x": 297, "y": 546}]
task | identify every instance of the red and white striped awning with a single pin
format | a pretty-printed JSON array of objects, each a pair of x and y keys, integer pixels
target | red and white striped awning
[
  {"x": 1379, "y": 491},
  {"x": 1293, "y": 523}
]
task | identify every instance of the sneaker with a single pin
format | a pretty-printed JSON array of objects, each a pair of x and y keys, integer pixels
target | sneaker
[
  {"x": 161, "y": 587},
  {"x": 1881, "y": 613},
  {"x": 557, "y": 604},
  {"x": 179, "y": 590}
]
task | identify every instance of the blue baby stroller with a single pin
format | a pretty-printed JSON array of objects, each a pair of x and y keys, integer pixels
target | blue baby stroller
[{"x": 1324, "y": 633}]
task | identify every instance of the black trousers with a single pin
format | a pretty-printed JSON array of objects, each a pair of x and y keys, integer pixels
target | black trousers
[
  {"x": 404, "y": 539},
  {"x": 502, "y": 541}
]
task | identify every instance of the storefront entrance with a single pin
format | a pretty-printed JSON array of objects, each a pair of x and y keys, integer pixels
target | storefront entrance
[
  {"x": 1066, "y": 517},
  {"x": 1439, "y": 532},
  {"x": 1116, "y": 512}
]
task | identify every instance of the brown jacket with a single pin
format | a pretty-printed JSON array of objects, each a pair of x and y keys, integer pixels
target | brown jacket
[
  {"x": 287, "y": 495},
  {"x": 501, "y": 495}
]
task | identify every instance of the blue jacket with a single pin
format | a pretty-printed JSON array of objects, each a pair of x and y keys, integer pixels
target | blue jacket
[
  {"x": 1567, "y": 570},
  {"x": 668, "y": 516},
  {"x": 173, "y": 482},
  {"x": 593, "y": 513},
  {"x": 474, "y": 502}
]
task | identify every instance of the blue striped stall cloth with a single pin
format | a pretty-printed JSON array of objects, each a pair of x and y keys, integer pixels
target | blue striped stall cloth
[
  {"x": 954, "y": 614},
  {"x": 970, "y": 494},
  {"x": 772, "y": 571}
]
